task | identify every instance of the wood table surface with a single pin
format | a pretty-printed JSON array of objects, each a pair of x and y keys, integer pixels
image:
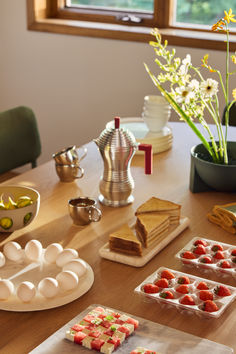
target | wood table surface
[{"x": 114, "y": 282}]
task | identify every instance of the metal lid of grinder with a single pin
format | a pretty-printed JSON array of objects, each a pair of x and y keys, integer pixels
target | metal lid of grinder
[{"x": 116, "y": 138}]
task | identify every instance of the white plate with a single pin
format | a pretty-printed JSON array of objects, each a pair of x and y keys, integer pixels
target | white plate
[
  {"x": 149, "y": 252},
  {"x": 160, "y": 141},
  {"x": 34, "y": 272},
  {"x": 140, "y": 130}
]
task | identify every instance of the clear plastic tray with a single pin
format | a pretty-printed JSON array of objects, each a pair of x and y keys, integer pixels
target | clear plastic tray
[
  {"x": 216, "y": 265},
  {"x": 221, "y": 302}
]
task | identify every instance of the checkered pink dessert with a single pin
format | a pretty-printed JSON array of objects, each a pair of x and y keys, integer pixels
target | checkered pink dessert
[{"x": 102, "y": 330}]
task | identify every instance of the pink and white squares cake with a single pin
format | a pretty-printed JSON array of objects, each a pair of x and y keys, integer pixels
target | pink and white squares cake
[{"x": 102, "y": 329}]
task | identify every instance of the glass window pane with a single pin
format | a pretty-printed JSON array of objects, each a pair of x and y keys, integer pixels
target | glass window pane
[
  {"x": 132, "y": 5},
  {"x": 202, "y": 12}
]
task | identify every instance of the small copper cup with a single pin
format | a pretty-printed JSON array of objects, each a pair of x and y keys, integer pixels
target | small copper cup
[
  {"x": 83, "y": 211},
  {"x": 68, "y": 173}
]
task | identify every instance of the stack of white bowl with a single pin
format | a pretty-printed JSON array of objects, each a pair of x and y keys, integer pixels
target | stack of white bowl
[{"x": 156, "y": 112}]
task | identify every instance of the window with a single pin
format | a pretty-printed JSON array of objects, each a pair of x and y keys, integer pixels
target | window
[{"x": 182, "y": 22}]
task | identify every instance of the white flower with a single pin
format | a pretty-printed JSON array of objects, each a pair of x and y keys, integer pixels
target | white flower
[
  {"x": 194, "y": 84},
  {"x": 184, "y": 94},
  {"x": 209, "y": 87},
  {"x": 187, "y": 60}
]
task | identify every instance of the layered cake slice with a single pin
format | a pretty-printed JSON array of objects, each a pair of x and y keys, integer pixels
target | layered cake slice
[
  {"x": 150, "y": 227},
  {"x": 125, "y": 241},
  {"x": 160, "y": 206},
  {"x": 102, "y": 329}
]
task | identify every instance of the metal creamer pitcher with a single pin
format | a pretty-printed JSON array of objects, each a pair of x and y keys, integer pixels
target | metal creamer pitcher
[{"x": 117, "y": 147}]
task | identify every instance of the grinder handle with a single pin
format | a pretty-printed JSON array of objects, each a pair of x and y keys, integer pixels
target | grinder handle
[{"x": 147, "y": 148}]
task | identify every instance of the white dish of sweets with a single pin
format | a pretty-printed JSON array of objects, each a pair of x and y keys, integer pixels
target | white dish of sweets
[{"x": 35, "y": 278}]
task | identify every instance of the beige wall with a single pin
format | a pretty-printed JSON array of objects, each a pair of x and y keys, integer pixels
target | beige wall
[{"x": 74, "y": 84}]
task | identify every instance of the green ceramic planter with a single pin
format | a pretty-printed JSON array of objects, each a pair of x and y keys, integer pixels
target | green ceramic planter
[{"x": 205, "y": 175}]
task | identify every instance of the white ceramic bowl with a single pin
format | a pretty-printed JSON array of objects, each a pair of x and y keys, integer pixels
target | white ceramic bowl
[
  {"x": 14, "y": 219},
  {"x": 156, "y": 122},
  {"x": 154, "y": 100}
]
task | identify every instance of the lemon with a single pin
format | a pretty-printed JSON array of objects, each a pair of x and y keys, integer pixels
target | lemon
[
  {"x": 27, "y": 218},
  {"x": 6, "y": 223},
  {"x": 23, "y": 201}
]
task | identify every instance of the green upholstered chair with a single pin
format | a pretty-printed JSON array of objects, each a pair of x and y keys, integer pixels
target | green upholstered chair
[
  {"x": 232, "y": 115},
  {"x": 19, "y": 138}
]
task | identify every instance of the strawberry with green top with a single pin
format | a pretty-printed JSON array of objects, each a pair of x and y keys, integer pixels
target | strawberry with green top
[
  {"x": 222, "y": 290},
  {"x": 187, "y": 300},
  {"x": 216, "y": 247},
  {"x": 162, "y": 283},
  {"x": 167, "y": 274},
  {"x": 182, "y": 289},
  {"x": 210, "y": 306},
  {"x": 200, "y": 242},
  {"x": 167, "y": 295},
  {"x": 219, "y": 255},
  {"x": 188, "y": 255},
  {"x": 199, "y": 249},
  {"x": 202, "y": 286},
  {"x": 225, "y": 264},
  {"x": 183, "y": 280},
  {"x": 150, "y": 288},
  {"x": 206, "y": 259},
  {"x": 205, "y": 295}
]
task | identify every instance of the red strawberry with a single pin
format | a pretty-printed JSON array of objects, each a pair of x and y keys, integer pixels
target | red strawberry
[
  {"x": 167, "y": 274},
  {"x": 162, "y": 283},
  {"x": 216, "y": 247},
  {"x": 206, "y": 259},
  {"x": 205, "y": 295},
  {"x": 150, "y": 288},
  {"x": 225, "y": 264},
  {"x": 234, "y": 260},
  {"x": 219, "y": 255},
  {"x": 222, "y": 290},
  {"x": 202, "y": 286},
  {"x": 167, "y": 295},
  {"x": 183, "y": 289},
  {"x": 187, "y": 300},
  {"x": 210, "y": 306},
  {"x": 233, "y": 253},
  {"x": 200, "y": 242},
  {"x": 188, "y": 255},
  {"x": 199, "y": 249},
  {"x": 183, "y": 280}
]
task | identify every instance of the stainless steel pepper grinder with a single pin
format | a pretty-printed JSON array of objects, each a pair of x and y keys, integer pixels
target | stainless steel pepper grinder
[{"x": 117, "y": 147}]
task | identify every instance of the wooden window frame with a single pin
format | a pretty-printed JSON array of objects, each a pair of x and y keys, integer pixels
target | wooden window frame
[{"x": 51, "y": 16}]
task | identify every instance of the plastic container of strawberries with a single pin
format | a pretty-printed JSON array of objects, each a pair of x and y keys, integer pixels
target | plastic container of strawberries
[
  {"x": 222, "y": 262},
  {"x": 222, "y": 302}
]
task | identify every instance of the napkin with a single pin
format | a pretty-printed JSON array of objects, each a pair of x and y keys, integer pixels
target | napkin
[{"x": 224, "y": 216}]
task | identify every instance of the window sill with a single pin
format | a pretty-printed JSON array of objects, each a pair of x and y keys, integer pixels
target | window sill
[{"x": 175, "y": 36}]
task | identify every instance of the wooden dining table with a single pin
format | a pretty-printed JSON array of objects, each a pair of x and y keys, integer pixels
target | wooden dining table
[{"x": 114, "y": 283}]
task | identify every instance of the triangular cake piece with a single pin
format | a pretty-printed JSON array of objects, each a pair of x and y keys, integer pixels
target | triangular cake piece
[
  {"x": 125, "y": 241},
  {"x": 150, "y": 226},
  {"x": 161, "y": 206}
]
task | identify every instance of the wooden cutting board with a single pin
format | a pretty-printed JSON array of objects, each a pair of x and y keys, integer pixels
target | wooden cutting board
[{"x": 149, "y": 252}]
